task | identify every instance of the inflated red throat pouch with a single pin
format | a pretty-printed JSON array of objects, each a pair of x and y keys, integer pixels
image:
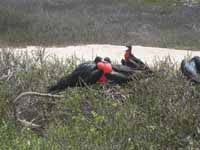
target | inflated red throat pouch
[
  {"x": 102, "y": 79},
  {"x": 105, "y": 67}
]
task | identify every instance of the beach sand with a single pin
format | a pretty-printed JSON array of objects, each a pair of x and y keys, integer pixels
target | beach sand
[{"x": 116, "y": 53}]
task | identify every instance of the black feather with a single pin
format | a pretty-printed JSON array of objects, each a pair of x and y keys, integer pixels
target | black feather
[
  {"x": 85, "y": 73},
  {"x": 191, "y": 68},
  {"x": 118, "y": 78},
  {"x": 122, "y": 69}
]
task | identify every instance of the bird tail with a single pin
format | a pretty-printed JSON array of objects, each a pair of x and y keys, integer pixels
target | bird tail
[{"x": 59, "y": 86}]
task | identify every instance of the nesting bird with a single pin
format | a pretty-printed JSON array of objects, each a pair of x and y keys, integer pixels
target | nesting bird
[
  {"x": 131, "y": 61},
  {"x": 85, "y": 73},
  {"x": 191, "y": 69},
  {"x": 102, "y": 71},
  {"x": 98, "y": 71}
]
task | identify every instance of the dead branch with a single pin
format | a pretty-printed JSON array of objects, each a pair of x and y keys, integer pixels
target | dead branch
[
  {"x": 36, "y": 94},
  {"x": 28, "y": 124}
]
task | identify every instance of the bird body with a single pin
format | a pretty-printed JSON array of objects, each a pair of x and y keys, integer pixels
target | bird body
[
  {"x": 120, "y": 73},
  {"x": 191, "y": 69},
  {"x": 98, "y": 71},
  {"x": 135, "y": 63},
  {"x": 85, "y": 73}
]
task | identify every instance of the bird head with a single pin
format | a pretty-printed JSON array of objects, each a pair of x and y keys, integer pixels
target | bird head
[
  {"x": 128, "y": 52},
  {"x": 107, "y": 59},
  {"x": 129, "y": 48},
  {"x": 97, "y": 59}
]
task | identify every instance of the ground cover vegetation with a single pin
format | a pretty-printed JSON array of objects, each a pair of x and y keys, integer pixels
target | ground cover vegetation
[
  {"x": 169, "y": 23},
  {"x": 161, "y": 112}
]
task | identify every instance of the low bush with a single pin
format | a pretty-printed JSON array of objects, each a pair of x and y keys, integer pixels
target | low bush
[{"x": 161, "y": 112}]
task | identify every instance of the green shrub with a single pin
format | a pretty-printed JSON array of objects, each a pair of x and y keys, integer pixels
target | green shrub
[{"x": 160, "y": 112}]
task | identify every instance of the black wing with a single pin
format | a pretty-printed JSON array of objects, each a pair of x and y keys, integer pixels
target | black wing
[
  {"x": 118, "y": 78},
  {"x": 196, "y": 59},
  {"x": 131, "y": 63},
  {"x": 136, "y": 64},
  {"x": 85, "y": 73},
  {"x": 124, "y": 69},
  {"x": 122, "y": 74},
  {"x": 188, "y": 72},
  {"x": 137, "y": 60}
]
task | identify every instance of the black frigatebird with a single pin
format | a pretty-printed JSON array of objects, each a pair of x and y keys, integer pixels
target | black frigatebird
[
  {"x": 131, "y": 61},
  {"x": 98, "y": 71},
  {"x": 191, "y": 69},
  {"x": 120, "y": 73},
  {"x": 85, "y": 73}
]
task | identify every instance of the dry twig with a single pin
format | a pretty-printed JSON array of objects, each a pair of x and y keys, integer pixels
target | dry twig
[
  {"x": 26, "y": 123},
  {"x": 36, "y": 94}
]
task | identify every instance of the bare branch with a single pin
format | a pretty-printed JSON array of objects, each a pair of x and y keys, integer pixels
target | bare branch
[
  {"x": 36, "y": 94},
  {"x": 28, "y": 124}
]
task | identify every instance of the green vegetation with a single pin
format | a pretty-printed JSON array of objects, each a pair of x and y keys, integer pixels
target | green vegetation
[
  {"x": 161, "y": 112},
  {"x": 167, "y": 23}
]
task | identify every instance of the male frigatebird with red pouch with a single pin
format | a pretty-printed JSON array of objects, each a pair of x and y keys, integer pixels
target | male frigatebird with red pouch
[
  {"x": 86, "y": 73},
  {"x": 101, "y": 71},
  {"x": 131, "y": 61},
  {"x": 98, "y": 71}
]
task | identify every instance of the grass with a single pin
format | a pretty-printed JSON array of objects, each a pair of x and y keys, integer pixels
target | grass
[
  {"x": 159, "y": 113},
  {"x": 144, "y": 22}
]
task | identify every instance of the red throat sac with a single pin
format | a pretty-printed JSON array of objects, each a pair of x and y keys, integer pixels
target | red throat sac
[
  {"x": 126, "y": 55},
  {"x": 102, "y": 79},
  {"x": 105, "y": 68}
]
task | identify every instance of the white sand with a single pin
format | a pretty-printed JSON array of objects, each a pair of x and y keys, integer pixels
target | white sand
[{"x": 88, "y": 52}]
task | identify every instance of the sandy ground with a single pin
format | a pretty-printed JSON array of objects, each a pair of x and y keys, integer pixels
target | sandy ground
[{"x": 88, "y": 52}]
